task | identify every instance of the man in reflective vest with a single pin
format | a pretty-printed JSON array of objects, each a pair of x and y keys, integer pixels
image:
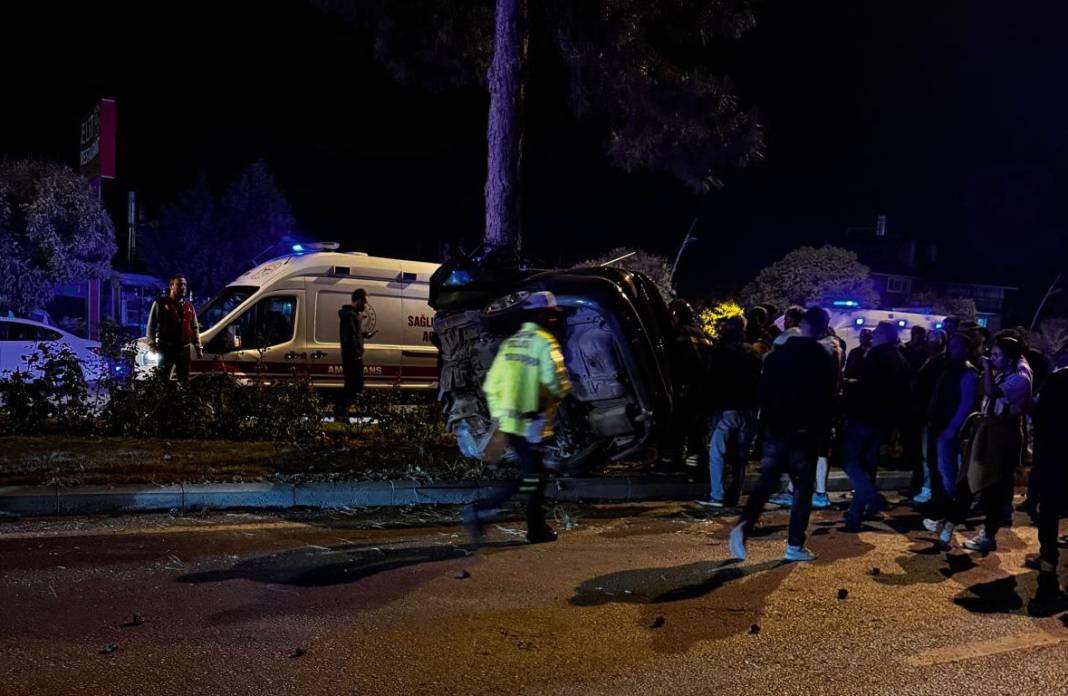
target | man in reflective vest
[
  {"x": 172, "y": 329},
  {"x": 523, "y": 388}
]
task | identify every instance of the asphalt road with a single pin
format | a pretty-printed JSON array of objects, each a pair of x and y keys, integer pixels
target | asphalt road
[{"x": 632, "y": 599}]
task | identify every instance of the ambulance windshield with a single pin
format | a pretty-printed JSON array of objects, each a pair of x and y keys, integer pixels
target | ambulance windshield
[{"x": 222, "y": 304}]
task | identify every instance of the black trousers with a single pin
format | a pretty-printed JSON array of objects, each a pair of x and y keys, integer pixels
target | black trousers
[
  {"x": 174, "y": 359},
  {"x": 1052, "y": 491},
  {"x": 993, "y": 500},
  {"x": 353, "y": 370},
  {"x": 531, "y": 484},
  {"x": 794, "y": 454}
]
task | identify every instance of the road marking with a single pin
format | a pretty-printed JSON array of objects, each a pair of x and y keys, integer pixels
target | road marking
[
  {"x": 984, "y": 648},
  {"x": 208, "y": 528}
]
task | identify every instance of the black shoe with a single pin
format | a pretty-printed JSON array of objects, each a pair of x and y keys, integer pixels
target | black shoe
[
  {"x": 542, "y": 534},
  {"x": 851, "y": 526}
]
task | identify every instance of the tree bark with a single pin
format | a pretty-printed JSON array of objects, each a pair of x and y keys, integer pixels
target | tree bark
[{"x": 505, "y": 129}]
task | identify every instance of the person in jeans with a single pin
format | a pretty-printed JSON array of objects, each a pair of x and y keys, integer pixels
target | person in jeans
[
  {"x": 796, "y": 400},
  {"x": 878, "y": 401},
  {"x": 922, "y": 391},
  {"x": 523, "y": 388},
  {"x": 992, "y": 470},
  {"x": 953, "y": 398},
  {"x": 735, "y": 378},
  {"x": 836, "y": 348}
]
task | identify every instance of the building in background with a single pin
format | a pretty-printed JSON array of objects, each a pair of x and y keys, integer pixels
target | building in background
[
  {"x": 908, "y": 274},
  {"x": 126, "y": 297}
]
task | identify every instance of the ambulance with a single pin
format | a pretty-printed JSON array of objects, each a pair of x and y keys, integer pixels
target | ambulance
[
  {"x": 849, "y": 319},
  {"x": 280, "y": 321}
]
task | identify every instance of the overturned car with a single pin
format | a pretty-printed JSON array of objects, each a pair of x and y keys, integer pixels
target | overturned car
[{"x": 617, "y": 342}]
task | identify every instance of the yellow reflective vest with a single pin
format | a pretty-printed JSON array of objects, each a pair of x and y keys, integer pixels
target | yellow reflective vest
[{"x": 526, "y": 382}]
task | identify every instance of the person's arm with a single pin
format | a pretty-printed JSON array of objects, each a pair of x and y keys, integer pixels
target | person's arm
[
  {"x": 153, "y": 326},
  {"x": 553, "y": 373},
  {"x": 968, "y": 386}
]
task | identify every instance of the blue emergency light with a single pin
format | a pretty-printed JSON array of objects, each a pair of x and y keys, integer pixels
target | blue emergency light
[
  {"x": 859, "y": 321},
  {"x": 901, "y": 323},
  {"x": 845, "y": 303},
  {"x": 298, "y": 248}
]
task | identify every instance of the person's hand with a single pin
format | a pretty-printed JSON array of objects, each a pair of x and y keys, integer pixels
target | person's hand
[{"x": 984, "y": 360}]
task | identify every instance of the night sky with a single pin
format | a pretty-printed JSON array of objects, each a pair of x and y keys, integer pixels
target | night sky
[{"x": 951, "y": 118}]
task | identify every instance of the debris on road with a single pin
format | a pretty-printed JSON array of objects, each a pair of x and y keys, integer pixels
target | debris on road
[
  {"x": 463, "y": 575},
  {"x": 875, "y": 572},
  {"x": 754, "y": 629},
  {"x": 136, "y": 620},
  {"x": 298, "y": 652},
  {"x": 842, "y": 593},
  {"x": 658, "y": 622},
  {"x": 108, "y": 649}
]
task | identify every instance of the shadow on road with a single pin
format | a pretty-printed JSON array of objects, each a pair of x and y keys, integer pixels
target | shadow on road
[
  {"x": 658, "y": 585},
  {"x": 335, "y": 565},
  {"x": 1006, "y": 596}
]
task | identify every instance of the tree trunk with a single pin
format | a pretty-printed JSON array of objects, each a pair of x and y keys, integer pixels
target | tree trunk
[{"x": 505, "y": 130}]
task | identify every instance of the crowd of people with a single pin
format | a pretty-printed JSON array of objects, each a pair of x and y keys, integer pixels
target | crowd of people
[{"x": 966, "y": 409}]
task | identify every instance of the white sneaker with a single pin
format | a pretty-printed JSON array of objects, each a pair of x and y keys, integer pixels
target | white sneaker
[
  {"x": 946, "y": 535},
  {"x": 798, "y": 553},
  {"x": 737, "y": 541},
  {"x": 924, "y": 496},
  {"x": 934, "y": 526},
  {"x": 981, "y": 542},
  {"x": 711, "y": 503}
]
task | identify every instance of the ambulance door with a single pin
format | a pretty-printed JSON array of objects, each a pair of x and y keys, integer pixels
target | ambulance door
[
  {"x": 263, "y": 341},
  {"x": 420, "y": 356},
  {"x": 382, "y": 351}
]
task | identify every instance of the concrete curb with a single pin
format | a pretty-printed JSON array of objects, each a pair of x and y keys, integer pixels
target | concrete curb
[{"x": 33, "y": 501}]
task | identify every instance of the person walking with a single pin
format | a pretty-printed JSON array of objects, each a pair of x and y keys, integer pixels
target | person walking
[
  {"x": 954, "y": 397},
  {"x": 996, "y": 449},
  {"x": 173, "y": 329},
  {"x": 523, "y": 388},
  {"x": 734, "y": 377},
  {"x": 875, "y": 404},
  {"x": 796, "y": 403},
  {"x": 352, "y": 336}
]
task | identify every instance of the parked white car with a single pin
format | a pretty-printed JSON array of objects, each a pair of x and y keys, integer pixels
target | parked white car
[{"x": 20, "y": 338}]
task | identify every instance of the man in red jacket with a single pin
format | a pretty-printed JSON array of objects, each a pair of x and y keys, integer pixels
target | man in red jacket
[{"x": 172, "y": 328}]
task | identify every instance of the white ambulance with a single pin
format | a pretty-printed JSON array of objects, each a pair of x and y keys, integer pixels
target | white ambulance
[{"x": 280, "y": 320}]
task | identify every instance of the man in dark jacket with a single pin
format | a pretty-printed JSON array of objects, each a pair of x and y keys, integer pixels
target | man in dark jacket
[
  {"x": 734, "y": 378},
  {"x": 690, "y": 355},
  {"x": 172, "y": 329},
  {"x": 1050, "y": 417},
  {"x": 796, "y": 400},
  {"x": 877, "y": 401},
  {"x": 352, "y": 335}
]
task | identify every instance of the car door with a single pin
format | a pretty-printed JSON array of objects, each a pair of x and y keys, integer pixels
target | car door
[
  {"x": 262, "y": 342},
  {"x": 19, "y": 342}
]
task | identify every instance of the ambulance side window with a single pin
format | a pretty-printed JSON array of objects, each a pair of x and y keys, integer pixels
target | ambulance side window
[{"x": 269, "y": 322}]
